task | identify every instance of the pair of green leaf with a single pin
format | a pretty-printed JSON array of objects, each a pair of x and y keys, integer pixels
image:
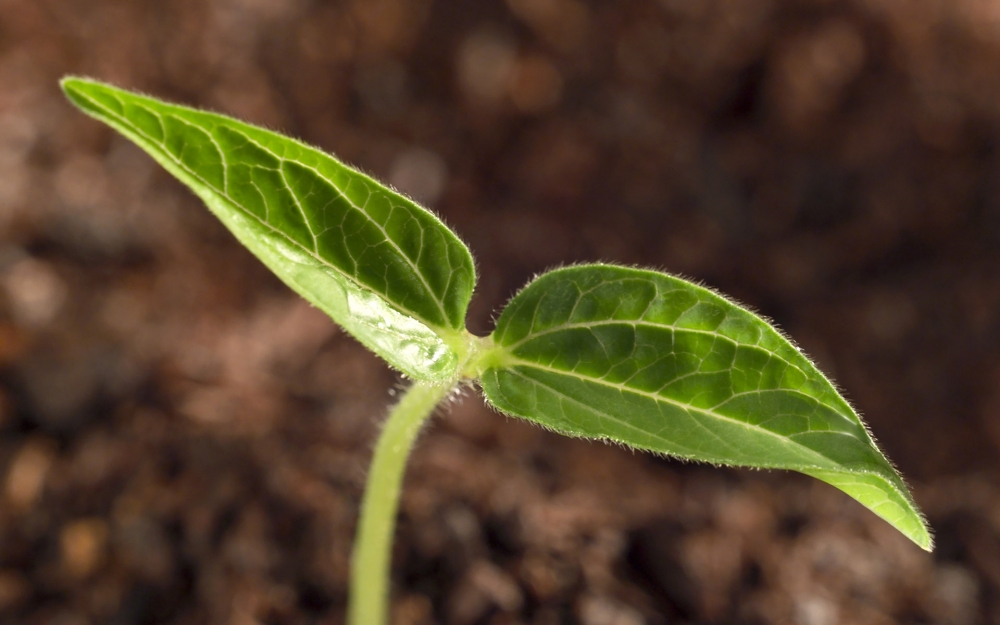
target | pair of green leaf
[{"x": 598, "y": 351}]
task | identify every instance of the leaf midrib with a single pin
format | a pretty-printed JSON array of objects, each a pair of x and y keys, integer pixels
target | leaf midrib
[
  {"x": 650, "y": 324},
  {"x": 514, "y": 361}
]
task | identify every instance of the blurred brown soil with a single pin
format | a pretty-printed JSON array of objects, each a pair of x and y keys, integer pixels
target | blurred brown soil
[{"x": 182, "y": 440}]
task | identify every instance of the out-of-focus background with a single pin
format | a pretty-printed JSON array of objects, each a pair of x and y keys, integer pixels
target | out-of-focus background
[{"x": 182, "y": 440}]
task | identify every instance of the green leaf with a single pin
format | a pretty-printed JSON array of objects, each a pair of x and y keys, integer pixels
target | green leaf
[
  {"x": 381, "y": 266},
  {"x": 657, "y": 363}
]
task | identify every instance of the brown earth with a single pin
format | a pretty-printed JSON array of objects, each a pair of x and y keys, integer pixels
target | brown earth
[{"x": 182, "y": 440}]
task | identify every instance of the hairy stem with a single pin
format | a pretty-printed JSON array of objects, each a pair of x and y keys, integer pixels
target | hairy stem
[{"x": 369, "y": 593}]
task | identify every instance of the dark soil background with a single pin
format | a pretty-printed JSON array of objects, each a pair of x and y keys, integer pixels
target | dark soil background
[{"x": 182, "y": 440}]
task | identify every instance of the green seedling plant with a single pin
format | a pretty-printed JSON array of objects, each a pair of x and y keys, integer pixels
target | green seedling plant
[{"x": 598, "y": 351}]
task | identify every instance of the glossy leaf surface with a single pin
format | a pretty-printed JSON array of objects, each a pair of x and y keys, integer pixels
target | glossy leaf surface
[
  {"x": 382, "y": 267},
  {"x": 658, "y": 363}
]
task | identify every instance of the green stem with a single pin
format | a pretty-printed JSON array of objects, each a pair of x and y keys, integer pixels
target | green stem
[{"x": 369, "y": 593}]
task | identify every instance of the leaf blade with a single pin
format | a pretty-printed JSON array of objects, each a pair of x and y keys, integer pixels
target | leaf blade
[
  {"x": 384, "y": 268},
  {"x": 658, "y": 363}
]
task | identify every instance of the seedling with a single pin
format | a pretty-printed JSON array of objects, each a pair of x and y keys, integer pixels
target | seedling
[{"x": 599, "y": 351}]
